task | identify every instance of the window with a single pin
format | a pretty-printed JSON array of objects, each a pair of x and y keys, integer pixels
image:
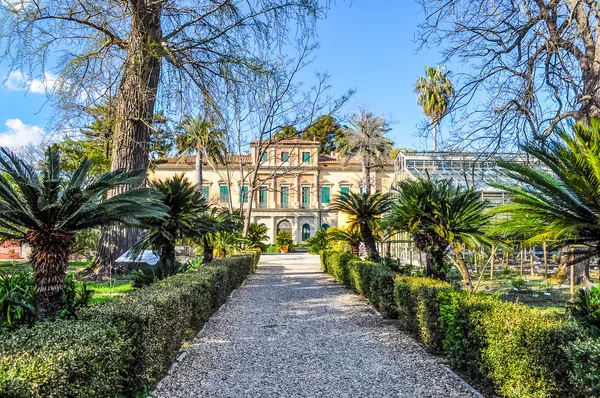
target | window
[
  {"x": 361, "y": 190},
  {"x": 326, "y": 195},
  {"x": 305, "y": 199},
  {"x": 224, "y": 193},
  {"x": 262, "y": 197},
  {"x": 306, "y": 157},
  {"x": 285, "y": 156},
  {"x": 284, "y": 197},
  {"x": 305, "y": 231},
  {"x": 325, "y": 227},
  {"x": 205, "y": 191},
  {"x": 344, "y": 191},
  {"x": 264, "y": 157},
  {"x": 244, "y": 194}
]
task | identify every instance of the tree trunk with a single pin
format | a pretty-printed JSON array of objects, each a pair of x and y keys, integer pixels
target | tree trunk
[
  {"x": 435, "y": 127},
  {"x": 134, "y": 115},
  {"x": 434, "y": 262},
  {"x": 366, "y": 171},
  {"x": 49, "y": 260},
  {"x": 464, "y": 271},
  {"x": 569, "y": 259},
  {"x": 208, "y": 250},
  {"x": 369, "y": 240},
  {"x": 198, "y": 169},
  {"x": 167, "y": 253}
]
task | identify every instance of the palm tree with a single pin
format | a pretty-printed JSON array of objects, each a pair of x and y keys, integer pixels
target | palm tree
[
  {"x": 220, "y": 222},
  {"x": 257, "y": 234},
  {"x": 200, "y": 136},
  {"x": 365, "y": 138},
  {"x": 47, "y": 208},
  {"x": 440, "y": 216},
  {"x": 435, "y": 91},
  {"x": 351, "y": 236},
  {"x": 184, "y": 206},
  {"x": 560, "y": 201},
  {"x": 364, "y": 210}
]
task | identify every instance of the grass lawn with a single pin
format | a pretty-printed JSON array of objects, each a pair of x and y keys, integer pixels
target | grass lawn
[{"x": 106, "y": 291}]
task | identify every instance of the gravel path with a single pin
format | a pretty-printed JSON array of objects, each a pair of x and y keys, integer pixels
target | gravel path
[{"x": 291, "y": 331}]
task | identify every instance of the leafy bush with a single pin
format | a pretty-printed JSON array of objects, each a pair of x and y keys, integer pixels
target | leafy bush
[
  {"x": 257, "y": 235},
  {"x": 272, "y": 249},
  {"x": 585, "y": 309},
  {"x": 63, "y": 359},
  {"x": 147, "y": 274},
  {"x": 524, "y": 353},
  {"x": 283, "y": 240},
  {"x": 318, "y": 242},
  {"x": 418, "y": 308},
  {"x": 335, "y": 263},
  {"x": 74, "y": 296},
  {"x": 381, "y": 289},
  {"x": 585, "y": 355},
  {"x": 519, "y": 284},
  {"x": 17, "y": 298},
  {"x": 159, "y": 318}
]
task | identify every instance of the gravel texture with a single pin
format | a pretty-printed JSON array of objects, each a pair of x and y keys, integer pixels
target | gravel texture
[{"x": 291, "y": 331}]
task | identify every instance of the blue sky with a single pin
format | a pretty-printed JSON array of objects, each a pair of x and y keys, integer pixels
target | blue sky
[{"x": 365, "y": 45}]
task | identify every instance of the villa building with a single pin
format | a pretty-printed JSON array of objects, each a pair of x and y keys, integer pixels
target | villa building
[{"x": 296, "y": 184}]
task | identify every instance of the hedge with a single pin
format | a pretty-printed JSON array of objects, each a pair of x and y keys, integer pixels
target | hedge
[
  {"x": 517, "y": 350},
  {"x": 122, "y": 345}
]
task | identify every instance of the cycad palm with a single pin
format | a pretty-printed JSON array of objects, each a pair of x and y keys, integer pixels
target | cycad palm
[
  {"x": 201, "y": 137},
  {"x": 560, "y": 202},
  {"x": 364, "y": 210},
  {"x": 46, "y": 208},
  {"x": 439, "y": 215},
  {"x": 222, "y": 222},
  {"x": 435, "y": 92},
  {"x": 351, "y": 236},
  {"x": 365, "y": 138}
]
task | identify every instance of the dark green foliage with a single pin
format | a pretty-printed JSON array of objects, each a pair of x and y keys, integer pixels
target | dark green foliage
[
  {"x": 74, "y": 296},
  {"x": 63, "y": 359},
  {"x": 585, "y": 355},
  {"x": 336, "y": 264},
  {"x": 585, "y": 309},
  {"x": 418, "y": 308},
  {"x": 17, "y": 298},
  {"x": 159, "y": 318},
  {"x": 380, "y": 288},
  {"x": 147, "y": 274},
  {"x": 318, "y": 242},
  {"x": 284, "y": 240},
  {"x": 461, "y": 315},
  {"x": 257, "y": 235}
]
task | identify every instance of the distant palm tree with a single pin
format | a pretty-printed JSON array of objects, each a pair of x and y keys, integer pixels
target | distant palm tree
[
  {"x": 559, "y": 203},
  {"x": 435, "y": 92},
  {"x": 257, "y": 235},
  {"x": 364, "y": 210},
  {"x": 221, "y": 223},
  {"x": 184, "y": 204},
  {"x": 200, "y": 137},
  {"x": 365, "y": 139},
  {"x": 440, "y": 216},
  {"x": 47, "y": 208}
]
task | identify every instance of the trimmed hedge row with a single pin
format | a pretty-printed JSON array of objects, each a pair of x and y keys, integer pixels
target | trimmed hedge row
[
  {"x": 517, "y": 350},
  {"x": 119, "y": 346}
]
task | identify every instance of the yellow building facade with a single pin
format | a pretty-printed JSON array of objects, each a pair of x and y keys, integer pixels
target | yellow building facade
[{"x": 296, "y": 184}]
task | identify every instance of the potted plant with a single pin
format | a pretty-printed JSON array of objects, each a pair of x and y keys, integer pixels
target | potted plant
[{"x": 284, "y": 241}]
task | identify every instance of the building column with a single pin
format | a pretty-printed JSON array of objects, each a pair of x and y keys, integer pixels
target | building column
[{"x": 273, "y": 230}]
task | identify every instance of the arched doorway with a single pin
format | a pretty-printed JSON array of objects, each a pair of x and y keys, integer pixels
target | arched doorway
[
  {"x": 325, "y": 227},
  {"x": 305, "y": 232},
  {"x": 284, "y": 226}
]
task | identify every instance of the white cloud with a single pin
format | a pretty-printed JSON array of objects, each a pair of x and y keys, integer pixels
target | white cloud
[
  {"x": 19, "y": 81},
  {"x": 19, "y": 134}
]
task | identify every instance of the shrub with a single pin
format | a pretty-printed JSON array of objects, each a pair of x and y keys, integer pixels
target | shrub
[
  {"x": 381, "y": 289},
  {"x": 585, "y": 309},
  {"x": 318, "y": 242},
  {"x": 17, "y": 298},
  {"x": 63, "y": 359},
  {"x": 461, "y": 315},
  {"x": 418, "y": 308},
  {"x": 284, "y": 241},
  {"x": 159, "y": 318},
  {"x": 585, "y": 355},
  {"x": 524, "y": 352},
  {"x": 147, "y": 274},
  {"x": 336, "y": 264}
]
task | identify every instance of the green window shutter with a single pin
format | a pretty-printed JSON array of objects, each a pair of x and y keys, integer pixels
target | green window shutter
[
  {"x": 285, "y": 197},
  {"x": 344, "y": 191},
  {"x": 306, "y": 157},
  {"x": 224, "y": 193},
  {"x": 262, "y": 197},
  {"x": 325, "y": 195},
  {"x": 361, "y": 190},
  {"x": 205, "y": 191},
  {"x": 305, "y": 197},
  {"x": 285, "y": 156},
  {"x": 264, "y": 157},
  {"x": 244, "y": 194},
  {"x": 305, "y": 231}
]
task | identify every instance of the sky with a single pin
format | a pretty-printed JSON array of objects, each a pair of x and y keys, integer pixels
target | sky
[{"x": 364, "y": 45}]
